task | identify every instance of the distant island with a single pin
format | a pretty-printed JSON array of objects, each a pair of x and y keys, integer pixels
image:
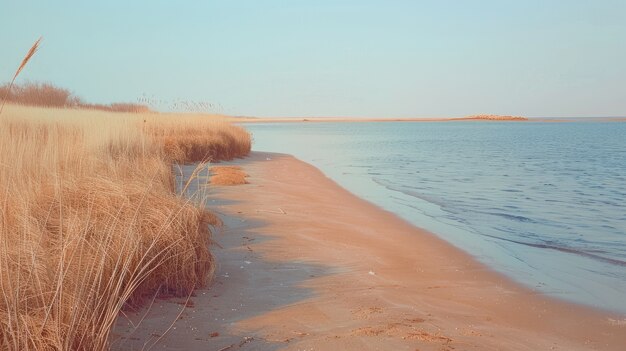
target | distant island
[{"x": 496, "y": 118}]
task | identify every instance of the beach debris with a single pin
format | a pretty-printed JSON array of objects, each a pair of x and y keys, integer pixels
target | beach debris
[
  {"x": 371, "y": 273},
  {"x": 618, "y": 322},
  {"x": 268, "y": 159},
  {"x": 247, "y": 262},
  {"x": 188, "y": 303},
  {"x": 245, "y": 340}
]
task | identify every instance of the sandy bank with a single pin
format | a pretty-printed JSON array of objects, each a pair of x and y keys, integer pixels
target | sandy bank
[{"x": 303, "y": 264}]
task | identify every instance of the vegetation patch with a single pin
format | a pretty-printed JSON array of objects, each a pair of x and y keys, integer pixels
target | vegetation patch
[
  {"x": 228, "y": 175},
  {"x": 90, "y": 222}
]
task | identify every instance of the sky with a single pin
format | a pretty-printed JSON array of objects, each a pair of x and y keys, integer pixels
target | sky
[{"x": 366, "y": 58}]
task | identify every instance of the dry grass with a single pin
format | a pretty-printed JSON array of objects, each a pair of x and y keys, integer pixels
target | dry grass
[
  {"x": 38, "y": 94},
  {"x": 227, "y": 175},
  {"x": 49, "y": 95},
  {"x": 90, "y": 223},
  {"x": 33, "y": 49},
  {"x": 190, "y": 141}
]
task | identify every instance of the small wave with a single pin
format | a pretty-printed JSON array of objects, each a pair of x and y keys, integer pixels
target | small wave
[
  {"x": 564, "y": 249},
  {"x": 511, "y": 217},
  {"x": 512, "y": 190},
  {"x": 508, "y": 216},
  {"x": 409, "y": 192}
]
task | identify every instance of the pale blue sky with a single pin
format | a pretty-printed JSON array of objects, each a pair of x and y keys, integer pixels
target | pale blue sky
[{"x": 331, "y": 58}]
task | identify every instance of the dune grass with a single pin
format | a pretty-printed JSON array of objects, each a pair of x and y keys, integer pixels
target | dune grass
[
  {"x": 190, "y": 141},
  {"x": 90, "y": 222}
]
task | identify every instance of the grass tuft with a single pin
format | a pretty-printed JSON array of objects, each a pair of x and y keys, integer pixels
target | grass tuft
[{"x": 227, "y": 175}]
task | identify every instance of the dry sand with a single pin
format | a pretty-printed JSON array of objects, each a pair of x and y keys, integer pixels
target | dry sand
[{"x": 305, "y": 265}]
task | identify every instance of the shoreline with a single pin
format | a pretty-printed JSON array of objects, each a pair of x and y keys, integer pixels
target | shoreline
[
  {"x": 261, "y": 120},
  {"x": 365, "y": 119},
  {"x": 304, "y": 263}
]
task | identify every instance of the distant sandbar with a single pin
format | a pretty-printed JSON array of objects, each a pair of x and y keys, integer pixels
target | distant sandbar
[{"x": 362, "y": 119}]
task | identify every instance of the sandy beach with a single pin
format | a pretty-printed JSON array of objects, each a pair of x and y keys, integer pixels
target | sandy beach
[{"x": 305, "y": 265}]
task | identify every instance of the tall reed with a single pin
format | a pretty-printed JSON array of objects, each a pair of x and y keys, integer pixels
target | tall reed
[{"x": 27, "y": 58}]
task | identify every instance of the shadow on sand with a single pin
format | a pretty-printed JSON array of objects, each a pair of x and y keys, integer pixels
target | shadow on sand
[{"x": 246, "y": 285}]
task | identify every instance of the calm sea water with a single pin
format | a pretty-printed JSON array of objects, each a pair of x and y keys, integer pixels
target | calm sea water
[{"x": 544, "y": 203}]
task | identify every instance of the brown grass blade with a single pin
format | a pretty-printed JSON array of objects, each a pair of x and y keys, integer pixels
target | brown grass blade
[{"x": 27, "y": 58}]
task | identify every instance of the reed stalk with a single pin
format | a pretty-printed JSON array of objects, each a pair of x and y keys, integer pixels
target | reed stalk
[{"x": 27, "y": 58}]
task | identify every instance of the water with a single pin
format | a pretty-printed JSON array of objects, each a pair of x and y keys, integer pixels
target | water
[{"x": 541, "y": 202}]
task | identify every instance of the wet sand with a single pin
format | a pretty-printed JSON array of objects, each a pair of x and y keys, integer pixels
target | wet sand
[{"x": 305, "y": 265}]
